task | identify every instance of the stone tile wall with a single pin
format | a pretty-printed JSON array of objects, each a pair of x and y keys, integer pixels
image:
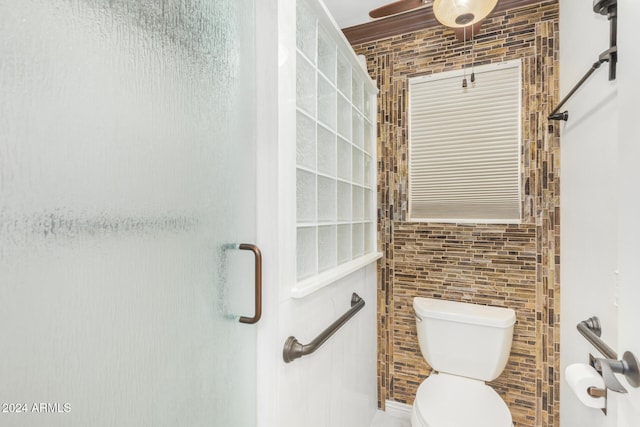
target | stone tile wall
[{"x": 515, "y": 266}]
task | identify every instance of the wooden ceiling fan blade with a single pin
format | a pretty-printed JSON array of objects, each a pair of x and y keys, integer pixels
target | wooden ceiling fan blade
[{"x": 395, "y": 7}]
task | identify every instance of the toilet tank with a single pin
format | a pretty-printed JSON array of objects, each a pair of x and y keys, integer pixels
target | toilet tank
[{"x": 468, "y": 340}]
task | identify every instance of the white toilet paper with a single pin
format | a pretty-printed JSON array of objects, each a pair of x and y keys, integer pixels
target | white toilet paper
[{"x": 580, "y": 377}]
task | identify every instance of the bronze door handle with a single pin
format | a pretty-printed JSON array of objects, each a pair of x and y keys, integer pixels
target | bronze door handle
[{"x": 258, "y": 283}]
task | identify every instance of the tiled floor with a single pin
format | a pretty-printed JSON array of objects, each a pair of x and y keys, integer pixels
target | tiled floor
[{"x": 382, "y": 419}]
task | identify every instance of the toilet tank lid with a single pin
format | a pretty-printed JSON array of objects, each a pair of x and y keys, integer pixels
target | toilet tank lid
[{"x": 464, "y": 312}]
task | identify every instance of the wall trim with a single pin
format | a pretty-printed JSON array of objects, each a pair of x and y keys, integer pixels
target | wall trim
[{"x": 397, "y": 409}]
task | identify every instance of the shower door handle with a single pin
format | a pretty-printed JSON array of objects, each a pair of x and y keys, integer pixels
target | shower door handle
[{"x": 258, "y": 283}]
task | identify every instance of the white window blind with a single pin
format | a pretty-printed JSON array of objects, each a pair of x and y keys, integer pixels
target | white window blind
[{"x": 464, "y": 146}]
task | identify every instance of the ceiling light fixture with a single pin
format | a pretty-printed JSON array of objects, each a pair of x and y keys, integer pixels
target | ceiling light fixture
[{"x": 462, "y": 13}]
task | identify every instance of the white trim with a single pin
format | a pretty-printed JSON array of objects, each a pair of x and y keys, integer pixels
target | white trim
[
  {"x": 397, "y": 409},
  {"x": 466, "y": 221},
  {"x": 312, "y": 284},
  {"x": 268, "y": 228},
  {"x": 457, "y": 73}
]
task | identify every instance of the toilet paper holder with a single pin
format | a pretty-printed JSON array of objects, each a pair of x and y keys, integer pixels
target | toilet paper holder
[
  {"x": 608, "y": 366},
  {"x": 627, "y": 366},
  {"x": 597, "y": 392}
]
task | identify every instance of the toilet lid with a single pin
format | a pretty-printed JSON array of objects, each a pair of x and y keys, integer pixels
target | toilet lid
[{"x": 449, "y": 401}]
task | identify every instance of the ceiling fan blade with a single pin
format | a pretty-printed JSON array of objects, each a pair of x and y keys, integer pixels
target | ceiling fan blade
[{"x": 396, "y": 7}]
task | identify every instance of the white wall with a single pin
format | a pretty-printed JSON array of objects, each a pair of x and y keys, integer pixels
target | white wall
[
  {"x": 597, "y": 168},
  {"x": 336, "y": 386},
  {"x": 629, "y": 202},
  {"x": 588, "y": 215}
]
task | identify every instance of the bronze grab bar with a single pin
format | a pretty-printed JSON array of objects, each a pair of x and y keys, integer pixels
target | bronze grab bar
[{"x": 294, "y": 350}]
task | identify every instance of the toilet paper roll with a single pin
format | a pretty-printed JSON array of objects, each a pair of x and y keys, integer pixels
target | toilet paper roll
[{"x": 580, "y": 377}]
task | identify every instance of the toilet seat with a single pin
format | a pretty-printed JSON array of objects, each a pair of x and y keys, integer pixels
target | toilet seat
[{"x": 445, "y": 400}]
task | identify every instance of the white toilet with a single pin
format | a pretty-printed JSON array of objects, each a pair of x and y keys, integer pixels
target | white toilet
[{"x": 466, "y": 345}]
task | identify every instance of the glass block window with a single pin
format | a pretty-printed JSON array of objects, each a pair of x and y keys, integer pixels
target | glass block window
[{"x": 335, "y": 161}]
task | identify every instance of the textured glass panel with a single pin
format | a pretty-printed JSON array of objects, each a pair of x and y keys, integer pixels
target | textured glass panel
[
  {"x": 305, "y": 196},
  {"x": 356, "y": 90},
  {"x": 367, "y": 106},
  {"x": 306, "y": 29},
  {"x": 369, "y": 204},
  {"x": 326, "y": 103},
  {"x": 369, "y": 138},
  {"x": 358, "y": 203},
  {"x": 357, "y": 167},
  {"x": 326, "y": 199},
  {"x": 368, "y": 173},
  {"x": 127, "y": 173},
  {"x": 344, "y": 159},
  {"x": 326, "y": 55},
  {"x": 357, "y": 129},
  {"x": 306, "y": 252},
  {"x": 344, "y": 76},
  {"x": 326, "y": 151},
  {"x": 344, "y": 243},
  {"x": 344, "y": 117},
  {"x": 369, "y": 238},
  {"x": 357, "y": 247},
  {"x": 306, "y": 86},
  {"x": 344, "y": 201},
  {"x": 305, "y": 141},
  {"x": 327, "y": 247}
]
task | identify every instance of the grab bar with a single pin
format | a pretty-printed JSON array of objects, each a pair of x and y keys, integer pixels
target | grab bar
[
  {"x": 590, "y": 329},
  {"x": 610, "y": 365},
  {"x": 294, "y": 350}
]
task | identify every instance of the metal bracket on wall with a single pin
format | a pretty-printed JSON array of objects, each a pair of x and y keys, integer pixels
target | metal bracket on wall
[
  {"x": 598, "y": 392},
  {"x": 602, "y": 7}
]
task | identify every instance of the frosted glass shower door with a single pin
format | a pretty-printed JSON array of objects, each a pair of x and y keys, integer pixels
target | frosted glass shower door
[{"x": 127, "y": 158}]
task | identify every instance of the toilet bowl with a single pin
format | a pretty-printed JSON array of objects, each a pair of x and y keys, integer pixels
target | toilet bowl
[
  {"x": 450, "y": 401},
  {"x": 466, "y": 345}
]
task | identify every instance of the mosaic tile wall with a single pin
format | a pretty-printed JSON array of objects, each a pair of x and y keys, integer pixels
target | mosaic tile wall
[{"x": 515, "y": 266}]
